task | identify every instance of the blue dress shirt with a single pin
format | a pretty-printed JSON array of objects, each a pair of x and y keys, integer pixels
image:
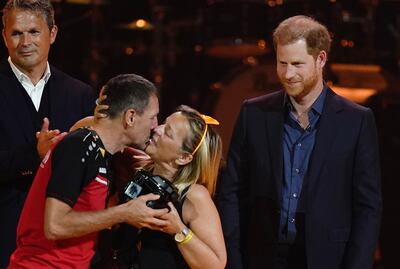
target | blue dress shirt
[{"x": 298, "y": 144}]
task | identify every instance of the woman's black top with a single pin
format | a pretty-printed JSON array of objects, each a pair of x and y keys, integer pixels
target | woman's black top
[{"x": 158, "y": 249}]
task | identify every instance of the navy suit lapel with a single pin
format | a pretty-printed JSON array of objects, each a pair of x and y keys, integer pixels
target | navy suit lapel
[
  {"x": 57, "y": 98},
  {"x": 327, "y": 129},
  {"x": 11, "y": 92},
  {"x": 274, "y": 126}
]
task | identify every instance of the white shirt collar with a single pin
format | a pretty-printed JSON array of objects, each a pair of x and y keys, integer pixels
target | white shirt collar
[{"x": 21, "y": 76}]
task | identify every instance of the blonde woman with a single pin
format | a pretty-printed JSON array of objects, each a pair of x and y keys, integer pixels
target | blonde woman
[{"x": 186, "y": 150}]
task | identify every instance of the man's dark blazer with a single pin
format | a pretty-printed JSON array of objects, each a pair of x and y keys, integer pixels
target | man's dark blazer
[
  {"x": 341, "y": 194},
  {"x": 69, "y": 101}
]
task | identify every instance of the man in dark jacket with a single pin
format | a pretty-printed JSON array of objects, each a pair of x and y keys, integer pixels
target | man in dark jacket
[
  {"x": 302, "y": 184},
  {"x": 38, "y": 104}
]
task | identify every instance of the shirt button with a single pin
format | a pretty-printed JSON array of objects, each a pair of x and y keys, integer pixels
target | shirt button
[
  {"x": 294, "y": 195},
  {"x": 292, "y": 220},
  {"x": 299, "y": 145},
  {"x": 297, "y": 170}
]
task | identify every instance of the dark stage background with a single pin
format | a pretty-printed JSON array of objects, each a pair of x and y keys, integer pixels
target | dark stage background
[{"x": 212, "y": 54}]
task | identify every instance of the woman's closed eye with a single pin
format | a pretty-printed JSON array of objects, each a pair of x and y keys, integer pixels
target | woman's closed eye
[{"x": 168, "y": 131}]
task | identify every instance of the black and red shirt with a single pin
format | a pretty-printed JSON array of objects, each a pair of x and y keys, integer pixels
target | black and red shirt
[{"x": 76, "y": 172}]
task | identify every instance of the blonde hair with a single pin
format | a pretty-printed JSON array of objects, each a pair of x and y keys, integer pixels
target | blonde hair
[{"x": 204, "y": 167}]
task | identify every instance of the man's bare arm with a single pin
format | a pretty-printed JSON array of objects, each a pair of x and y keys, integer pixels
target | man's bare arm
[{"x": 62, "y": 222}]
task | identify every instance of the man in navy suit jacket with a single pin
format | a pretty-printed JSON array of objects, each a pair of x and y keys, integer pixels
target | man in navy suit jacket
[
  {"x": 38, "y": 103},
  {"x": 302, "y": 184}
]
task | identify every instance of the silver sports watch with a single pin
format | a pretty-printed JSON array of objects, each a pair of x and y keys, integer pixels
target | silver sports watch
[{"x": 179, "y": 237}]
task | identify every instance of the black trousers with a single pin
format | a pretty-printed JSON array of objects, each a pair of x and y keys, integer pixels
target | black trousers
[
  {"x": 290, "y": 257},
  {"x": 293, "y": 256}
]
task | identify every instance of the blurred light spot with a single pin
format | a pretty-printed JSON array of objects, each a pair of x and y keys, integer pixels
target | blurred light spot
[
  {"x": 198, "y": 48},
  {"x": 252, "y": 61},
  {"x": 216, "y": 86},
  {"x": 158, "y": 79},
  {"x": 262, "y": 44},
  {"x": 141, "y": 23},
  {"x": 129, "y": 51}
]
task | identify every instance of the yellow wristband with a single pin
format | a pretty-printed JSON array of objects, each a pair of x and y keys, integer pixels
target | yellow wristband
[{"x": 187, "y": 238}]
